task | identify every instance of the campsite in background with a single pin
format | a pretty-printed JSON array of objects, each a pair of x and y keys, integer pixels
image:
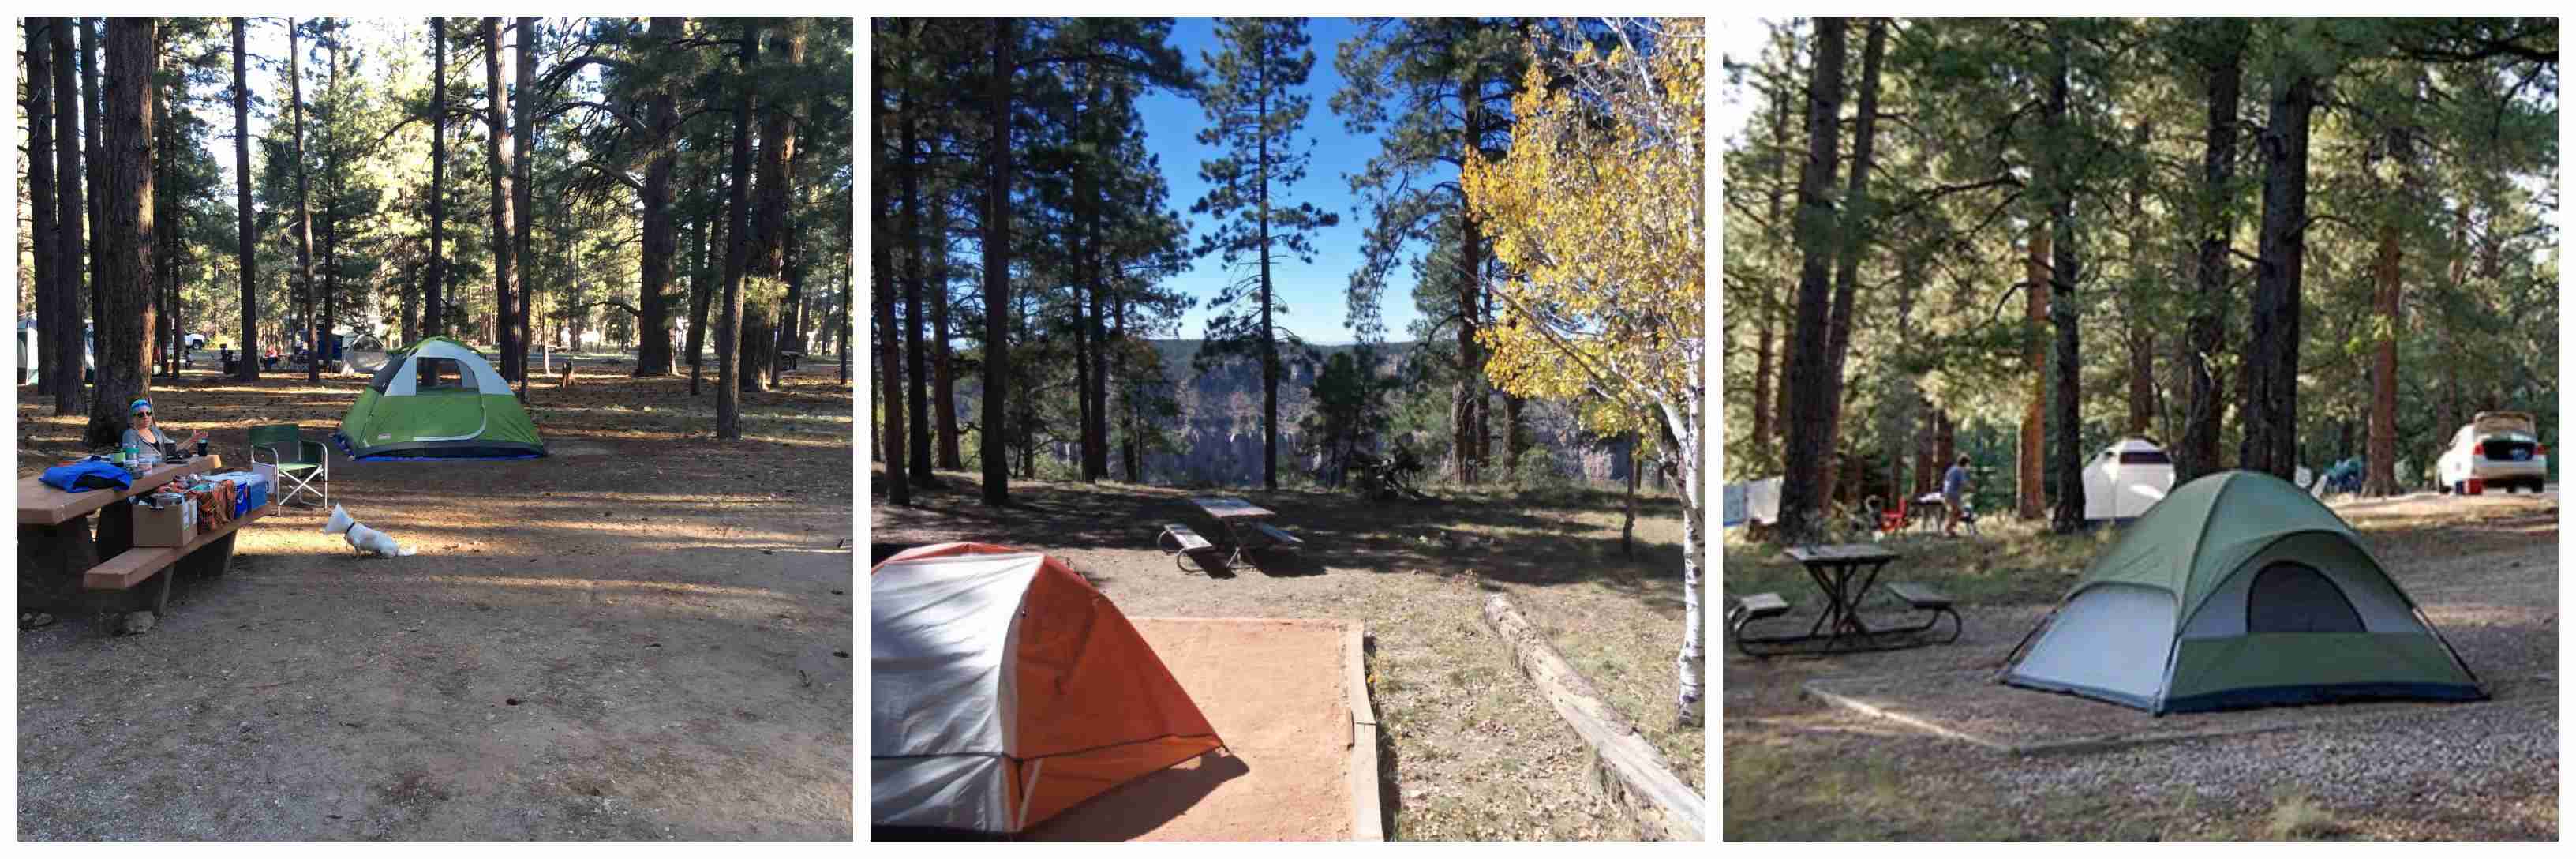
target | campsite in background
[
  {"x": 521, "y": 515},
  {"x": 1339, "y": 384},
  {"x": 2244, "y": 333}
]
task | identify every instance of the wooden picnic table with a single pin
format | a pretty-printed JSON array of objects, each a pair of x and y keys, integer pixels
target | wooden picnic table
[
  {"x": 1236, "y": 515},
  {"x": 57, "y": 549}
]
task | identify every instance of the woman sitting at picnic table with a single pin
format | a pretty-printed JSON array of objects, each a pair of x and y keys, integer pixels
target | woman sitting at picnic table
[{"x": 145, "y": 433}]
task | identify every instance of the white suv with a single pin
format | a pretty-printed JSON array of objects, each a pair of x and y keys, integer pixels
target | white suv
[{"x": 2500, "y": 449}]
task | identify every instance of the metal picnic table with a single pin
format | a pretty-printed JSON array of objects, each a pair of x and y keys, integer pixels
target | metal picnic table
[
  {"x": 1237, "y": 516},
  {"x": 57, "y": 550},
  {"x": 1845, "y": 573}
]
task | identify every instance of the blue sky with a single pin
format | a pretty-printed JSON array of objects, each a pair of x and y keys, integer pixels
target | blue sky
[{"x": 1315, "y": 294}]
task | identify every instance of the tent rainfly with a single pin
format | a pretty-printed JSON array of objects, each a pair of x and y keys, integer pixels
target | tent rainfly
[
  {"x": 2125, "y": 479},
  {"x": 2239, "y": 590},
  {"x": 1003, "y": 690},
  {"x": 438, "y": 400}
]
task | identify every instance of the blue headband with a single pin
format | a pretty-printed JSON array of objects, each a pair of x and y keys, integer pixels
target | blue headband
[{"x": 139, "y": 406}]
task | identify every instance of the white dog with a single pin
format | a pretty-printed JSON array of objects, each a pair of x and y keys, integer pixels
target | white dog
[{"x": 362, "y": 538}]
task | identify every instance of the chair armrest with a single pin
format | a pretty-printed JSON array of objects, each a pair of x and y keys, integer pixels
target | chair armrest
[
  {"x": 273, "y": 457},
  {"x": 321, "y": 452}
]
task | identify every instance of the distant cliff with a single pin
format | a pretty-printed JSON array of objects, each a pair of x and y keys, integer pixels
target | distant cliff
[{"x": 1219, "y": 437}]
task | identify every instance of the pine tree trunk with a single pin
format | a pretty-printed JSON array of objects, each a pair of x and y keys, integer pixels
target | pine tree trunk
[
  {"x": 2381, "y": 479},
  {"x": 889, "y": 435},
  {"x": 2272, "y": 331},
  {"x": 2029, "y": 501},
  {"x": 303, "y": 205},
  {"x": 918, "y": 445},
  {"x": 943, "y": 381},
  {"x": 661, "y": 239},
  {"x": 2205, "y": 332},
  {"x": 2066, "y": 458},
  {"x": 93, "y": 154},
  {"x": 1471, "y": 368},
  {"x": 72, "y": 204},
  {"x": 433, "y": 300},
  {"x": 42, "y": 204},
  {"x": 522, "y": 210},
  {"x": 245, "y": 255},
  {"x": 1808, "y": 417},
  {"x": 124, "y": 364},
  {"x": 1857, "y": 218},
  {"x": 997, "y": 269},
  {"x": 498, "y": 151},
  {"x": 702, "y": 274},
  {"x": 738, "y": 252}
]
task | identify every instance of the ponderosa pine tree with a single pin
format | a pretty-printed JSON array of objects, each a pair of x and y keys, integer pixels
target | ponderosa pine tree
[{"x": 1254, "y": 113}]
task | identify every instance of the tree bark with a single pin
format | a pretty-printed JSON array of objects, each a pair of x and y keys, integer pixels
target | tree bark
[
  {"x": 521, "y": 208},
  {"x": 433, "y": 301},
  {"x": 1856, "y": 228},
  {"x": 245, "y": 255},
  {"x": 2272, "y": 331},
  {"x": 702, "y": 276},
  {"x": 943, "y": 384},
  {"x": 71, "y": 203},
  {"x": 76, "y": 204},
  {"x": 2031, "y": 502},
  {"x": 997, "y": 271},
  {"x": 917, "y": 444},
  {"x": 738, "y": 248},
  {"x": 54, "y": 321},
  {"x": 1471, "y": 367},
  {"x": 505, "y": 246},
  {"x": 124, "y": 365},
  {"x": 2381, "y": 477},
  {"x": 1766, "y": 432},
  {"x": 653, "y": 357},
  {"x": 1810, "y": 444},
  {"x": 889, "y": 432},
  {"x": 2205, "y": 333},
  {"x": 303, "y": 204},
  {"x": 2066, "y": 458},
  {"x": 93, "y": 153}
]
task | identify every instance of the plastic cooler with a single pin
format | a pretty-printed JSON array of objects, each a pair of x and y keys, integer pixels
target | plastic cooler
[{"x": 2477, "y": 487}]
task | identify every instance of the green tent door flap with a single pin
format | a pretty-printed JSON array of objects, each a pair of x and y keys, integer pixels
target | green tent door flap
[{"x": 2239, "y": 590}]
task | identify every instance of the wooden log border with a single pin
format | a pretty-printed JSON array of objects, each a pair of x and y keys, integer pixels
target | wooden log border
[{"x": 1631, "y": 770}]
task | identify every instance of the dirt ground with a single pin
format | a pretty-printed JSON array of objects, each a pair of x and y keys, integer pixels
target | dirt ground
[
  {"x": 1467, "y": 749},
  {"x": 2484, "y": 569},
  {"x": 1283, "y": 775},
  {"x": 644, "y": 636}
]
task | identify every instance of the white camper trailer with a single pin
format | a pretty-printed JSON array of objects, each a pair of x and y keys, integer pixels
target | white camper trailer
[{"x": 2125, "y": 479}]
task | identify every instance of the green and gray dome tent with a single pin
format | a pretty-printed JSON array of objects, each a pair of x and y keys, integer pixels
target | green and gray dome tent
[
  {"x": 438, "y": 399},
  {"x": 2239, "y": 590}
]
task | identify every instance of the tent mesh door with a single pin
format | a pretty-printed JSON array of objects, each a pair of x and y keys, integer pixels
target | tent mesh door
[{"x": 2288, "y": 596}]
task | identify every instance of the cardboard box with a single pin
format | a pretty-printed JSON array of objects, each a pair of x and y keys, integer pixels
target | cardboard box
[{"x": 167, "y": 525}]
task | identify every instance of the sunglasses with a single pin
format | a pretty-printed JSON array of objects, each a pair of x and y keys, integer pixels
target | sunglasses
[{"x": 142, "y": 414}]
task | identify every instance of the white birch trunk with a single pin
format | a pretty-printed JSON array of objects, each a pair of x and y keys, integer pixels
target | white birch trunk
[{"x": 1682, "y": 429}]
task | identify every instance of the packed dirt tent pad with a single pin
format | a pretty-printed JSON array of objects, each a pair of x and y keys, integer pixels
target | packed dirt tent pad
[
  {"x": 1003, "y": 690},
  {"x": 438, "y": 399},
  {"x": 2239, "y": 590}
]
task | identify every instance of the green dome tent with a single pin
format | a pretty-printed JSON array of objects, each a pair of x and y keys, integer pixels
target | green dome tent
[
  {"x": 438, "y": 399},
  {"x": 2239, "y": 590}
]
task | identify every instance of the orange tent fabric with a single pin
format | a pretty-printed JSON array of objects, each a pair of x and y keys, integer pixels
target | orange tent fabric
[{"x": 1081, "y": 703}]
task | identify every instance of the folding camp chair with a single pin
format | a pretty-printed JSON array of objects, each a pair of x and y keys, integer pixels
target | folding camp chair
[{"x": 298, "y": 476}]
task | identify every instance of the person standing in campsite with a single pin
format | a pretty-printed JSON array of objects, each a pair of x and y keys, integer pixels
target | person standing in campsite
[{"x": 1954, "y": 487}]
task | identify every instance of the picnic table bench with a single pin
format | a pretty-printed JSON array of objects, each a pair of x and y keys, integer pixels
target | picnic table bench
[
  {"x": 59, "y": 553},
  {"x": 1245, "y": 527},
  {"x": 1845, "y": 574}
]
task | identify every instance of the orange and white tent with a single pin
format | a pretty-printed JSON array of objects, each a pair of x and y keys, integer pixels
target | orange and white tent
[{"x": 1003, "y": 689}]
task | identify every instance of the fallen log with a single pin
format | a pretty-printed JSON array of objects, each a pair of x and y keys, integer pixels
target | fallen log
[{"x": 1636, "y": 776}]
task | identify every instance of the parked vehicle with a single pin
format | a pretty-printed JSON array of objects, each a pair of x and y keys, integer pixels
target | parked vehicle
[{"x": 2500, "y": 449}]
